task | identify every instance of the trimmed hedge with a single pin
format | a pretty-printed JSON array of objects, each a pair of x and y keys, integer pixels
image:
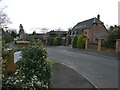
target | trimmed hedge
[
  {"x": 57, "y": 41},
  {"x": 74, "y": 43},
  {"x": 50, "y": 41},
  {"x": 81, "y": 42}
]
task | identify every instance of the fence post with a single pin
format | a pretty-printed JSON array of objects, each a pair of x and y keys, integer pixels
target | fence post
[{"x": 67, "y": 41}]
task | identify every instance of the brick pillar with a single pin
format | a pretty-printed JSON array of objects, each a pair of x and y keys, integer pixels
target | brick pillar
[
  {"x": 67, "y": 41},
  {"x": 117, "y": 45},
  {"x": 99, "y": 45},
  {"x": 86, "y": 43}
]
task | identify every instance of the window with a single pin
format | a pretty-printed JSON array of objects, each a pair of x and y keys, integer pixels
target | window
[{"x": 85, "y": 33}]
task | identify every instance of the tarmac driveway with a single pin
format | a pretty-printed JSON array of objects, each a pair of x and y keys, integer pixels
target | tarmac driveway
[{"x": 100, "y": 71}]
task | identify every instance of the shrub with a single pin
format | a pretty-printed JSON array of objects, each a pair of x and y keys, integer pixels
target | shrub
[
  {"x": 111, "y": 42},
  {"x": 81, "y": 42},
  {"x": 113, "y": 34},
  {"x": 74, "y": 43},
  {"x": 57, "y": 41},
  {"x": 7, "y": 38},
  {"x": 51, "y": 41},
  {"x": 33, "y": 69}
]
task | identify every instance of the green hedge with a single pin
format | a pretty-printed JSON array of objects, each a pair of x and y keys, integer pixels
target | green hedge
[
  {"x": 57, "y": 41},
  {"x": 74, "y": 43},
  {"x": 81, "y": 42},
  {"x": 7, "y": 38},
  {"x": 50, "y": 41}
]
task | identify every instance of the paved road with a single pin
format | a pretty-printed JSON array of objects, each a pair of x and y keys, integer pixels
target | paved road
[
  {"x": 101, "y": 71},
  {"x": 69, "y": 78}
]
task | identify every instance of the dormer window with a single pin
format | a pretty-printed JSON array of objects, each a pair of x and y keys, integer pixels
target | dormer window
[
  {"x": 95, "y": 24},
  {"x": 94, "y": 20}
]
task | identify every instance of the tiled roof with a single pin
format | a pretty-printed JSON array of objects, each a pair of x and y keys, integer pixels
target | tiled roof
[
  {"x": 38, "y": 35},
  {"x": 57, "y": 32},
  {"x": 86, "y": 24}
]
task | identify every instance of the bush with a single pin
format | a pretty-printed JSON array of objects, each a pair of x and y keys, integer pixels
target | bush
[
  {"x": 111, "y": 42},
  {"x": 81, "y": 42},
  {"x": 57, "y": 41},
  {"x": 113, "y": 34},
  {"x": 7, "y": 38},
  {"x": 74, "y": 43},
  {"x": 33, "y": 69},
  {"x": 51, "y": 41}
]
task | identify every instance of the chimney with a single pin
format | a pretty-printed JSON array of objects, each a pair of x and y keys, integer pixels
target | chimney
[{"x": 98, "y": 16}]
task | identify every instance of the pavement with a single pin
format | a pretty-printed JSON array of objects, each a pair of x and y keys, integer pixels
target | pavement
[
  {"x": 107, "y": 54},
  {"x": 65, "y": 77}
]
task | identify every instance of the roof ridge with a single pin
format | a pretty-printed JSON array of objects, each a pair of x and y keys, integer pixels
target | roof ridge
[{"x": 88, "y": 19}]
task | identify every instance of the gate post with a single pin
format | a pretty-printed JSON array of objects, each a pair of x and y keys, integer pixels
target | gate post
[
  {"x": 67, "y": 41},
  {"x": 117, "y": 45},
  {"x": 99, "y": 44},
  {"x": 86, "y": 43}
]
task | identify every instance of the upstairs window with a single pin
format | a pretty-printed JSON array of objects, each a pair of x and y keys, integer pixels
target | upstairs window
[{"x": 85, "y": 33}]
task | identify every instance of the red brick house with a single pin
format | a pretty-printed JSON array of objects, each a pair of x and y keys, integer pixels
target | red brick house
[{"x": 93, "y": 28}]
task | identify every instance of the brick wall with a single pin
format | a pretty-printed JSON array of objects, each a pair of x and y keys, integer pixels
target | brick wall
[
  {"x": 90, "y": 33},
  {"x": 99, "y": 29}
]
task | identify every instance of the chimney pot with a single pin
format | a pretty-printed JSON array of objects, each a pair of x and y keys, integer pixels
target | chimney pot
[{"x": 98, "y": 16}]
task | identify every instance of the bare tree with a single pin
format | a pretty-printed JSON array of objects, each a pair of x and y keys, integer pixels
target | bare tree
[{"x": 4, "y": 20}]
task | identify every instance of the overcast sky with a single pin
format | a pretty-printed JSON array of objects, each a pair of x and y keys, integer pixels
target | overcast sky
[{"x": 55, "y": 14}]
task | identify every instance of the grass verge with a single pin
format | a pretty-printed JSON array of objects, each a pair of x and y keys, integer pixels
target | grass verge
[{"x": 51, "y": 61}]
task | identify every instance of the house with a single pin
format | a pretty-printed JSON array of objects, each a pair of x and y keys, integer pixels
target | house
[
  {"x": 56, "y": 33},
  {"x": 93, "y": 28},
  {"x": 52, "y": 34},
  {"x": 38, "y": 36}
]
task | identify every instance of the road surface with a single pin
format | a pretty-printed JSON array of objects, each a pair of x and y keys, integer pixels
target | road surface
[{"x": 100, "y": 71}]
